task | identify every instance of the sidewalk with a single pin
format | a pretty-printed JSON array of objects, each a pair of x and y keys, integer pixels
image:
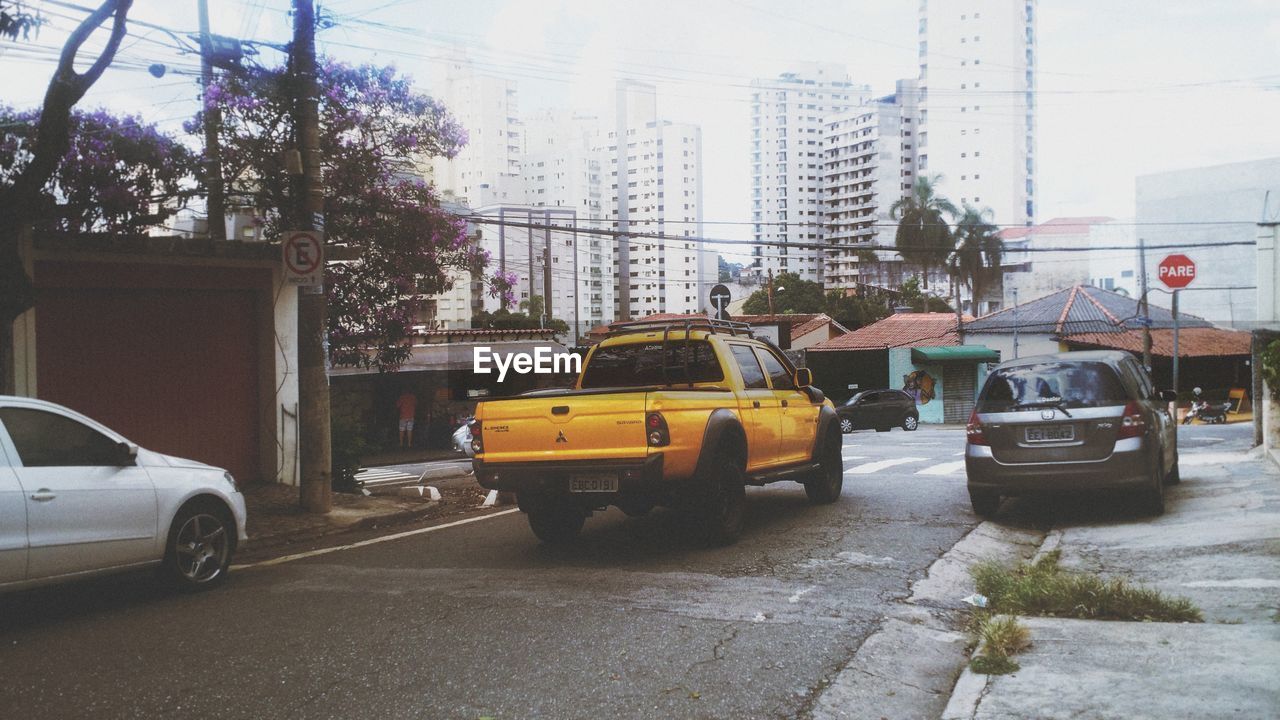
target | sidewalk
[
  {"x": 407, "y": 456},
  {"x": 275, "y": 519},
  {"x": 1219, "y": 545}
]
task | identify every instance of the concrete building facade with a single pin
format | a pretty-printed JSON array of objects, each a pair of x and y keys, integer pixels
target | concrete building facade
[
  {"x": 869, "y": 159},
  {"x": 487, "y": 169},
  {"x": 788, "y": 125},
  {"x": 1206, "y": 208},
  {"x": 978, "y": 76}
]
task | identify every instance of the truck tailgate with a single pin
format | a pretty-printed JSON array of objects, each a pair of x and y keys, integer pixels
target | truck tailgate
[{"x": 564, "y": 427}]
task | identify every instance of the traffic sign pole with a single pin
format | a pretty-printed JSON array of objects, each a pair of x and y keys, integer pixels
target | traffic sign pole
[{"x": 1175, "y": 350}]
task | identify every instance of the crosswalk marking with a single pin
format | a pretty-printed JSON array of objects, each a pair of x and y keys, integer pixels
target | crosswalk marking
[
  {"x": 383, "y": 476},
  {"x": 945, "y": 468},
  {"x": 872, "y": 467}
]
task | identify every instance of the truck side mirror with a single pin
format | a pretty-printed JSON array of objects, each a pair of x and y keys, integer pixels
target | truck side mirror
[{"x": 803, "y": 377}]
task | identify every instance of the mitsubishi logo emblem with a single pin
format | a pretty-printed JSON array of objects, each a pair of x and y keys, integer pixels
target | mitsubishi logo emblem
[
  {"x": 561, "y": 438},
  {"x": 1046, "y": 414}
]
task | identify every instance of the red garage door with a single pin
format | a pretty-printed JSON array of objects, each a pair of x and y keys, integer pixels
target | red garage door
[{"x": 166, "y": 356}]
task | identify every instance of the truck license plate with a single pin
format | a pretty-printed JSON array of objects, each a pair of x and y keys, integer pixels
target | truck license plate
[
  {"x": 1051, "y": 433},
  {"x": 593, "y": 482}
]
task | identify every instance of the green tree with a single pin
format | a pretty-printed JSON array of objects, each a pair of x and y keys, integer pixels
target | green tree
[
  {"x": 918, "y": 301},
  {"x": 853, "y": 311},
  {"x": 924, "y": 237},
  {"x": 978, "y": 249},
  {"x": 507, "y": 320},
  {"x": 791, "y": 294}
]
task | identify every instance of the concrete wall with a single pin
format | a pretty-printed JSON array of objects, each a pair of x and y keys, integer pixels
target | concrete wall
[{"x": 1028, "y": 343}]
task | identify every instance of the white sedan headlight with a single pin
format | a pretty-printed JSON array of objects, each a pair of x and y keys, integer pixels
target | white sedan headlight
[{"x": 231, "y": 480}]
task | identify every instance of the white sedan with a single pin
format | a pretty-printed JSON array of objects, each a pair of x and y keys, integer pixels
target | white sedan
[{"x": 77, "y": 499}]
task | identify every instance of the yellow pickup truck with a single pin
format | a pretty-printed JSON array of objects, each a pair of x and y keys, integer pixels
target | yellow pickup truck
[{"x": 679, "y": 413}]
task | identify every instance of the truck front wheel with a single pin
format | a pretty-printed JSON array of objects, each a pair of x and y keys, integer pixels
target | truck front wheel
[
  {"x": 825, "y": 484},
  {"x": 555, "y": 521}
]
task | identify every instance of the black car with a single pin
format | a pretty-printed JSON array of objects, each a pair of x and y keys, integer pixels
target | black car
[{"x": 879, "y": 409}]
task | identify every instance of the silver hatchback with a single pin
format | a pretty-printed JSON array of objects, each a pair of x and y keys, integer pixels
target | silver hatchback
[{"x": 1069, "y": 422}]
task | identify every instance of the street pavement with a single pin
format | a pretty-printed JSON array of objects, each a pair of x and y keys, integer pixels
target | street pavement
[{"x": 479, "y": 619}]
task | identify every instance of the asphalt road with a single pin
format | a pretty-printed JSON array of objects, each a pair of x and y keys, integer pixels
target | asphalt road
[{"x": 480, "y": 620}]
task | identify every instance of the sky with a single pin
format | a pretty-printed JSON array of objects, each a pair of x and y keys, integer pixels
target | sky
[{"x": 1126, "y": 88}]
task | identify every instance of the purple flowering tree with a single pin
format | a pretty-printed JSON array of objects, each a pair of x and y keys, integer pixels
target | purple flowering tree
[
  {"x": 22, "y": 190},
  {"x": 377, "y": 132},
  {"x": 118, "y": 175}
]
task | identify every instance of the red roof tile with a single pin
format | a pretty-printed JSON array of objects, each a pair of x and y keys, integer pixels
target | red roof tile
[
  {"x": 899, "y": 330},
  {"x": 1056, "y": 226},
  {"x": 1192, "y": 342}
]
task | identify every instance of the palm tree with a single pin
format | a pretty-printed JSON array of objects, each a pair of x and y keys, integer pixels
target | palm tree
[
  {"x": 924, "y": 237},
  {"x": 978, "y": 246}
]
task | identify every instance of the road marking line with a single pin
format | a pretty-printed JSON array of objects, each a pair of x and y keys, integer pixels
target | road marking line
[
  {"x": 371, "y": 541},
  {"x": 871, "y": 467},
  {"x": 945, "y": 468}
]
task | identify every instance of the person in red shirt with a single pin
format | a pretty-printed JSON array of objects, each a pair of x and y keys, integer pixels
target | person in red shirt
[{"x": 408, "y": 407}]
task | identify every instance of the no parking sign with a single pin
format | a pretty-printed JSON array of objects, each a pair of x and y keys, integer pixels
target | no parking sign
[{"x": 303, "y": 252}]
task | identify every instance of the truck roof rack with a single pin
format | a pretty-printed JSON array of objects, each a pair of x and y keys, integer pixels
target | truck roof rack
[{"x": 731, "y": 327}]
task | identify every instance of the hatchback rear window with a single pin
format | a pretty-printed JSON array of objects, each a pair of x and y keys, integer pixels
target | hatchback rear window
[
  {"x": 642, "y": 364},
  {"x": 1050, "y": 384}
]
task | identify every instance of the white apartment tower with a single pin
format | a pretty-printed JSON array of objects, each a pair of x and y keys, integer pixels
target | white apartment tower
[
  {"x": 868, "y": 164},
  {"x": 487, "y": 169},
  {"x": 653, "y": 185},
  {"x": 787, "y": 148},
  {"x": 977, "y": 72},
  {"x": 561, "y": 173}
]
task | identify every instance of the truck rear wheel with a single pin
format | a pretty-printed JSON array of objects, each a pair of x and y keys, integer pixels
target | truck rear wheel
[
  {"x": 724, "y": 499},
  {"x": 825, "y": 484},
  {"x": 555, "y": 521}
]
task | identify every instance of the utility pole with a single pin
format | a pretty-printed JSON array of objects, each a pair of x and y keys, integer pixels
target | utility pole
[
  {"x": 313, "y": 380},
  {"x": 1175, "y": 340},
  {"x": 769, "y": 292},
  {"x": 546, "y": 265},
  {"x": 1015, "y": 323},
  {"x": 217, "y": 213},
  {"x": 1145, "y": 306}
]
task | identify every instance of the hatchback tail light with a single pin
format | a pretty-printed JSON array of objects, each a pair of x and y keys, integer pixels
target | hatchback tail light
[
  {"x": 655, "y": 427},
  {"x": 476, "y": 445},
  {"x": 973, "y": 430},
  {"x": 1131, "y": 423}
]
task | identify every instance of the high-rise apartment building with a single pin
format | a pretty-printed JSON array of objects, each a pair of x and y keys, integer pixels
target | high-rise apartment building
[
  {"x": 978, "y": 76},
  {"x": 487, "y": 169},
  {"x": 868, "y": 164},
  {"x": 654, "y": 186},
  {"x": 787, "y": 148}
]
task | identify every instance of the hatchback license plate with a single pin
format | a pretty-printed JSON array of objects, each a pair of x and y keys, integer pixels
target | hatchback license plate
[
  {"x": 1051, "y": 433},
  {"x": 593, "y": 482}
]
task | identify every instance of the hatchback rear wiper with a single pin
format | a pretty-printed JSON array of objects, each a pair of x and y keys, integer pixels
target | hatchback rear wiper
[{"x": 1055, "y": 404}]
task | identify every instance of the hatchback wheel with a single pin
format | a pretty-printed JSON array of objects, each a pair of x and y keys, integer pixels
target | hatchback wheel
[
  {"x": 198, "y": 552},
  {"x": 846, "y": 425},
  {"x": 1151, "y": 498},
  {"x": 910, "y": 422}
]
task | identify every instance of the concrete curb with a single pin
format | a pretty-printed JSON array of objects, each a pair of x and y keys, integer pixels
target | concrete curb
[{"x": 908, "y": 666}]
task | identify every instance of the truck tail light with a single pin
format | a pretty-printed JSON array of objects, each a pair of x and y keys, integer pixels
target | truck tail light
[
  {"x": 1131, "y": 423},
  {"x": 476, "y": 445},
  {"x": 655, "y": 427},
  {"x": 973, "y": 430}
]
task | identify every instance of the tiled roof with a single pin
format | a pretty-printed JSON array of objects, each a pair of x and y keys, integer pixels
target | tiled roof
[
  {"x": 1078, "y": 309},
  {"x": 1192, "y": 342},
  {"x": 801, "y": 323},
  {"x": 899, "y": 330}
]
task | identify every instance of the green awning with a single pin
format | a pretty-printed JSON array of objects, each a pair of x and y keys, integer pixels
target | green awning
[{"x": 954, "y": 353}]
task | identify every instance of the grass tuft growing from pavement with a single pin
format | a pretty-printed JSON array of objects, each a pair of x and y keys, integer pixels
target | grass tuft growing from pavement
[
  {"x": 1043, "y": 588},
  {"x": 999, "y": 636}
]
